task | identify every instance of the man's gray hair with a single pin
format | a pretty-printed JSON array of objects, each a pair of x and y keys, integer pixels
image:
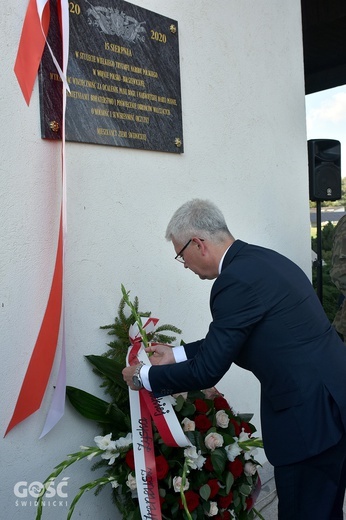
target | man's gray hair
[{"x": 198, "y": 218}]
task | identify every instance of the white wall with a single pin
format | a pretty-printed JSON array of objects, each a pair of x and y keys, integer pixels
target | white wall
[{"x": 245, "y": 149}]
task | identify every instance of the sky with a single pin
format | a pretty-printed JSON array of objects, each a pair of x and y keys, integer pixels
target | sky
[{"x": 326, "y": 118}]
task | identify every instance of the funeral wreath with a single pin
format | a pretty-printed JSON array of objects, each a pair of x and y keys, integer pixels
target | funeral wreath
[{"x": 213, "y": 474}]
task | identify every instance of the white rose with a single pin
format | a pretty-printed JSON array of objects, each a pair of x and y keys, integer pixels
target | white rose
[
  {"x": 250, "y": 469},
  {"x": 199, "y": 462},
  {"x": 213, "y": 511},
  {"x": 194, "y": 459},
  {"x": 213, "y": 440},
  {"x": 211, "y": 393},
  {"x": 222, "y": 419},
  {"x": 188, "y": 425},
  {"x": 233, "y": 451},
  {"x": 191, "y": 452},
  {"x": 131, "y": 482},
  {"x": 177, "y": 484}
]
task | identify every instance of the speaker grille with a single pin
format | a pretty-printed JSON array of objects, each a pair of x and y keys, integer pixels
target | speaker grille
[{"x": 327, "y": 182}]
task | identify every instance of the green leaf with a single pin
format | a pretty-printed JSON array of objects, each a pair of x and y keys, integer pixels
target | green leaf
[
  {"x": 205, "y": 492},
  {"x": 236, "y": 499},
  {"x": 94, "y": 408},
  {"x": 246, "y": 417},
  {"x": 197, "y": 440},
  {"x": 110, "y": 368},
  {"x": 188, "y": 409},
  {"x": 245, "y": 490},
  {"x": 195, "y": 394},
  {"x": 175, "y": 508},
  {"x": 227, "y": 438},
  {"x": 179, "y": 403},
  {"x": 218, "y": 460},
  {"x": 229, "y": 482}
]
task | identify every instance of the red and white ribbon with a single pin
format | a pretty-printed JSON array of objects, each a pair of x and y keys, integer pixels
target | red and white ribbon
[
  {"x": 144, "y": 456},
  {"x": 30, "y": 50},
  {"x": 145, "y": 407}
]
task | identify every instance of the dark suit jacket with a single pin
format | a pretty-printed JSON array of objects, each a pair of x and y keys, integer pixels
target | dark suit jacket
[{"x": 268, "y": 319}]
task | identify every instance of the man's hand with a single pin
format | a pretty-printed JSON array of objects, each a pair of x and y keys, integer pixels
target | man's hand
[
  {"x": 128, "y": 373},
  {"x": 161, "y": 354}
]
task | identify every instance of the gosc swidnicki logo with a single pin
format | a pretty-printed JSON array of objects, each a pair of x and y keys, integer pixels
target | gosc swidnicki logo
[{"x": 28, "y": 493}]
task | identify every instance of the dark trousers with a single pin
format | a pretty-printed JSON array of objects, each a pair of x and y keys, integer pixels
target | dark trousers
[{"x": 313, "y": 489}]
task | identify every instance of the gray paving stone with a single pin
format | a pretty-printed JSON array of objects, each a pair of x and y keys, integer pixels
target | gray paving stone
[{"x": 267, "y": 502}]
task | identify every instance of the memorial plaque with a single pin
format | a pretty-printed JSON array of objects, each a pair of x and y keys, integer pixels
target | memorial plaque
[{"x": 124, "y": 78}]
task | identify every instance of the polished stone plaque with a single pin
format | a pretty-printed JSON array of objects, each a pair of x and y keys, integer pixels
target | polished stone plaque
[{"x": 123, "y": 74}]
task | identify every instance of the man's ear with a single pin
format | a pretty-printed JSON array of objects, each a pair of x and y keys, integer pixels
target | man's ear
[{"x": 199, "y": 242}]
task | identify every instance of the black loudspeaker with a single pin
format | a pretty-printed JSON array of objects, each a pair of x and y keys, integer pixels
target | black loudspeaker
[{"x": 324, "y": 169}]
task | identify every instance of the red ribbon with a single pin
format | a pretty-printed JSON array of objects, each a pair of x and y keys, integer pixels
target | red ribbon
[
  {"x": 31, "y": 46},
  {"x": 29, "y": 55},
  {"x": 151, "y": 402},
  {"x": 144, "y": 450},
  {"x": 41, "y": 362},
  {"x": 158, "y": 418}
]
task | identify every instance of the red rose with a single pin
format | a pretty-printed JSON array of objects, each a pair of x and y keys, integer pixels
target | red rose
[
  {"x": 129, "y": 459},
  {"x": 224, "y": 515},
  {"x": 249, "y": 503},
  {"x": 225, "y": 502},
  {"x": 192, "y": 500},
  {"x": 208, "y": 465},
  {"x": 220, "y": 403},
  {"x": 236, "y": 467},
  {"x": 237, "y": 428},
  {"x": 214, "y": 485},
  {"x": 246, "y": 427},
  {"x": 201, "y": 406},
  {"x": 162, "y": 467},
  {"x": 202, "y": 423}
]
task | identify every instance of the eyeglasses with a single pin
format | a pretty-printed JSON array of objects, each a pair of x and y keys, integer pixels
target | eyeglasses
[{"x": 179, "y": 256}]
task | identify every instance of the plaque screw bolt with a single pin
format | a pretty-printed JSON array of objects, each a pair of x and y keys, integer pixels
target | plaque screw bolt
[
  {"x": 177, "y": 142},
  {"x": 53, "y": 125},
  {"x": 173, "y": 28}
]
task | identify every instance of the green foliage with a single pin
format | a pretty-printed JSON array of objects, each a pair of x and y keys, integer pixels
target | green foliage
[
  {"x": 327, "y": 236},
  {"x": 96, "y": 409},
  {"x": 112, "y": 380}
]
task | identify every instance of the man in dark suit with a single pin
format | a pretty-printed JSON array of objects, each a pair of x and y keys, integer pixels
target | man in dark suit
[{"x": 267, "y": 319}]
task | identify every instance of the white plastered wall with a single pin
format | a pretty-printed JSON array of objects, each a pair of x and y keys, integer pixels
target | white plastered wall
[{"x": 245, "y": 149}]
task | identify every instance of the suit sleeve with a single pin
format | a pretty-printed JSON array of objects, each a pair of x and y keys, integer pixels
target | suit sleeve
[
  {"x": 236, "y": 309},
  {"x": 192, "y": 348}
]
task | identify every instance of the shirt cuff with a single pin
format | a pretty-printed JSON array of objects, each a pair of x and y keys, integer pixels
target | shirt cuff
[
  {"x": 179, "y": 354},
  {"x": 144, "y": 373}
]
